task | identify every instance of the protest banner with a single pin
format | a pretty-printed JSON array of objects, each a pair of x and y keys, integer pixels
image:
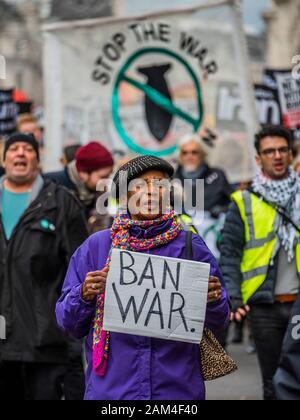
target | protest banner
[
  {"x": 289, "y": 94},
  {"x": 158, "y": 297},
  {"x": 8, "y": 112},
  {"x": 24, "y": 107},
  {"x": 210, "y": 229},
  {"x": 140, "y": 83},
  {"x": 288, "y": 90},
  {"x": 230, "y": 110},
  {"x": 268, "y": 105},
  {"x": 270, "y": 77}
]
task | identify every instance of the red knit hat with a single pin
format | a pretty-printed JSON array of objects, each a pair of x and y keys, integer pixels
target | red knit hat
[{"x": 93, "y": 157}]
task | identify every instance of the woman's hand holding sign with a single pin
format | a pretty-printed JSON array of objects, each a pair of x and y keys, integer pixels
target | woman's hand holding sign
[
  {"x": 214, "y": 290},
  {"x": 94, "y": 284}
]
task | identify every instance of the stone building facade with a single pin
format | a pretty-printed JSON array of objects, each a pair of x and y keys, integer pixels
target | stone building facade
[
  {"x": 283, "y": 33},
  {"x": 20, "y": 44},
  {"x": 21, "y": 40}
]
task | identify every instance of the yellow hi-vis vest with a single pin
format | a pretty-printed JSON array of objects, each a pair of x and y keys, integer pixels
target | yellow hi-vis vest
[
  {"x": 259, "y": 219},
  {"x": 187, "y": 223}
]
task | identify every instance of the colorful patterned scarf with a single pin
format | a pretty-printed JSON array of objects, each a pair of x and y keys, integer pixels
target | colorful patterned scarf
[{"x": 122, "y": 239}]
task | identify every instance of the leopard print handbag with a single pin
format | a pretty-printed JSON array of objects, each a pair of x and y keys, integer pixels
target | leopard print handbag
[{"x": 215, "y": 362}]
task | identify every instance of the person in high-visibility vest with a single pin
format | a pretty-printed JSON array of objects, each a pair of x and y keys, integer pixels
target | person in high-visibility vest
[{"x": 260, "y": 249}]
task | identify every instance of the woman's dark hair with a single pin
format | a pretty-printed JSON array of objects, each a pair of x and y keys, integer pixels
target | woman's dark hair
[{"x": 273, "y": 131}]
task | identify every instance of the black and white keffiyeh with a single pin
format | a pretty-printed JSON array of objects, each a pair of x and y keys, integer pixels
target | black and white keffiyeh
[{"x": 285, "y": 194}]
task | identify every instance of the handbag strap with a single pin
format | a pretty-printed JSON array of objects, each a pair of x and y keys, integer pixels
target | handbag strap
[
  {"x": 278, "y": 209},
  {"x": 189, "y": 245}
]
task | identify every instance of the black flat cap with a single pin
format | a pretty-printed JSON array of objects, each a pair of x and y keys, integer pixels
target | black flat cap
[{"x": 140, "y": 165}]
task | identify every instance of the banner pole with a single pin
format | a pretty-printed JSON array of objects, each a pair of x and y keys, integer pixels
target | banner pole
[
  {"x": 245, "y": 78},
  {"x": 119, "y": 19},
  {"x": 53, "y": 102}
]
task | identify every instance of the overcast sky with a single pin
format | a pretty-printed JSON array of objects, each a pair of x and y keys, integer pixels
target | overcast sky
[{"x": 252, "y": 8}]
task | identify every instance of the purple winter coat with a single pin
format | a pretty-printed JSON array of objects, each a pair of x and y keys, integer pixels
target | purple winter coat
[{"x": 139, "y": 368}]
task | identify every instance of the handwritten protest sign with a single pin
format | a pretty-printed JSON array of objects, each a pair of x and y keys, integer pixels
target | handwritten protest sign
[{"x": 156, "y": 297}]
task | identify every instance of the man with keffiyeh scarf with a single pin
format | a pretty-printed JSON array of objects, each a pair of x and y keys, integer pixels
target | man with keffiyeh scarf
[{"x": 261, "y": 249}]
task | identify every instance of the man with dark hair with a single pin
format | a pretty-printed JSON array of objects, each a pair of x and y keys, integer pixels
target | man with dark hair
[
  {"x": 273, "y": 131},
  {"x": 260, "y": 249},
  {"x": 93, "y": 162},
  {"x": 41, "y": 225},
  {"x": 69, "y": 154}
]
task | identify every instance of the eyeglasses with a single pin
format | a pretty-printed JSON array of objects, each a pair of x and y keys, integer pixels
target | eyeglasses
[
  {"x": 190, "y": 152},
  {"x": 272, "y": 152}
]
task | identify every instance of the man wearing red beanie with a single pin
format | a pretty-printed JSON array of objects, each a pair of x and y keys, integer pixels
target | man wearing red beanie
[{"x": 93, "y": 163}]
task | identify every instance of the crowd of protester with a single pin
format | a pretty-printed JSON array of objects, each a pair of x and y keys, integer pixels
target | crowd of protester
[{"x": 47, "y": 225}]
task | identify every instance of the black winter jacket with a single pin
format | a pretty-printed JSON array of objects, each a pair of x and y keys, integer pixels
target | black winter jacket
[
  {"x": 217, "y": 190},
  {"x": 33, "y": 264},
  {"x": 63, "y": 178},
  {"x": 287, "y": 378}
]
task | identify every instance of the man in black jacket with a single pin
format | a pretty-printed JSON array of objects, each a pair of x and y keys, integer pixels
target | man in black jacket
[
  {"x": 41, "y": 226},
  {"x": 93, "y": 163},
  {"x": 287, "y": 378},
  {"x": 193, "y": 167}
]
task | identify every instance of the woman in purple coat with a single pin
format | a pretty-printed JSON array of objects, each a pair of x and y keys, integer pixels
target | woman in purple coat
[{"x": 127, "y": 367}]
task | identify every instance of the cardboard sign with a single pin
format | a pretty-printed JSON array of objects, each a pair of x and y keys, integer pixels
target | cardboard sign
[{"x": 156, "y": 297}]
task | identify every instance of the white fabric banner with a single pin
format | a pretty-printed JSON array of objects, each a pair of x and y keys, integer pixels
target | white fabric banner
[{"x": 140, "y": 85}]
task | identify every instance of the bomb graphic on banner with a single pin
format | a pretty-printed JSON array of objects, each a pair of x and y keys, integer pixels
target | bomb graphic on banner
[{"x": 158, "y": 119}]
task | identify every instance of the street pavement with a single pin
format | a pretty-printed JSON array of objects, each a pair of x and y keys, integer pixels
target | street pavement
[{"x": 243, "y": 385}]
